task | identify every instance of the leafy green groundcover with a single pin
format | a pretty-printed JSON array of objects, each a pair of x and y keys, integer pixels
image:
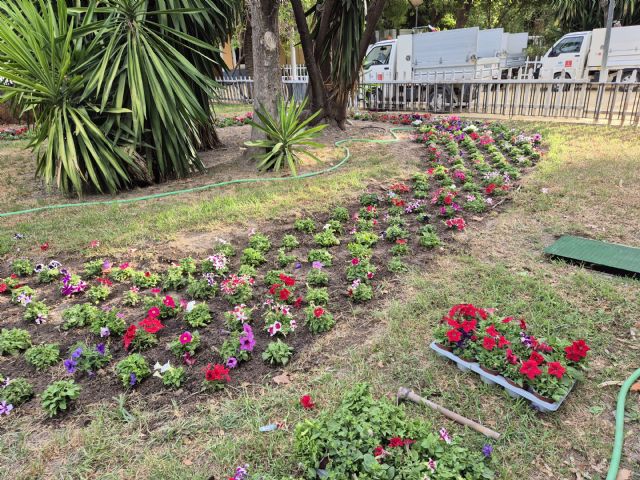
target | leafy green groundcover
[{"x": 369, "y": 439}]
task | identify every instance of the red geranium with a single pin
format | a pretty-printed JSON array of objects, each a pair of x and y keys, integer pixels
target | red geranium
[
  {"x": 151, "y": 325},
  {"x": 512, "y": 358},
  {"x": 469, "y": 325},
  {"x": 490, "y": 188},
  {"x": 307, "y": 402},
  {"x": 523, "y": 324},
  {"x": 401, "y": 241},
  {"x": 217, "y": 373},
  {"x": 288, "y": 281},
  {"x": 536, "y": 357},
  {"x": 452, "y": 323},
  {"x": 273, "y": 288},
  {"x": 3, "y": 287},
  {"x": 396, "y": 442},
  {"x": 129, "y": 335},
  {"x": 530, "y": 369},
  {"x": 488, "y": 343},
  {"x": 318, "y": 312},
  {"x": 153, "y": 312},
  {"x": 454, "y": 336},
  {"x": 298, "y": 302},
  {"x": 284, "y": 294},
  {"x": 503, "y": 342},
  {"x": 577, "y": 351},
  {"x": 507, "y": 319},
  {"x": 168, "y": 302},
  {"x": 491, "y": 330},
  {"x": 44, "y": 246},
  {"x": 556, "y": 369},
  {"x": 378, "y": 451}
]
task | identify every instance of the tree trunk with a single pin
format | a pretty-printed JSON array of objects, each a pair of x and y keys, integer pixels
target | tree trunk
[
  {"x": 247, "y": 48},
  {"x": 462, "y": 13},
  {"x": 266, "y": 57}
]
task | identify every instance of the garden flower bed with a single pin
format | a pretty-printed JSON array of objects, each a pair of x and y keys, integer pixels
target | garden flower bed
[
  {"x": 75, "y": 333},
  {"x": 503, "y": 351}
]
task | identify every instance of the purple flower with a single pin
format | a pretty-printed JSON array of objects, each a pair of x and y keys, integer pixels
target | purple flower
[
  {"x": 53, "y": 264},
  {"x": 100, "y": 348},
  {"x": 317, "y": 264},
  {"x": 38, "y": 268},
  {"x": 133, "y": 379},
  {"x": 120, "y": 315},
  {"x": 104, "y": 332},
  {"x": 70, "y": 365},
  {"x": 5, "y": 408},
  {"x": 232, "y": 362},
  {"x": 106, "y": 265},
  {"x": 77, "y": 353},
  {"x": 298, "y": 265},
  {"x": 6, "y": 382},
  {"x": 444, "y": 435},
  {"x": 487, "y": 450},
  {"x": 242, "y": 473}
]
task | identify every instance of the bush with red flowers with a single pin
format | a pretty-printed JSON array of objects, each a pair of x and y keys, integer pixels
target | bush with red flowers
[
  {"x": 215, "y": 377},
  {"x": 505, "y": 346},
  {"x": 319, "y": 319}
]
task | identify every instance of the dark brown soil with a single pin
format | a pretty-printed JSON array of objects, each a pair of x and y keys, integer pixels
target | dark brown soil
[{"x": 105, "y": 385}]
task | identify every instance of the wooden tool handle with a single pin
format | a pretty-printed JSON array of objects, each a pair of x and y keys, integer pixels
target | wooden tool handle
[{"x": 407, "y": 394}]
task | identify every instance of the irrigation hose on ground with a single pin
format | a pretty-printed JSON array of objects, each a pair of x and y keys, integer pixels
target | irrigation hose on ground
[
  {"x": 619, "y": 439},
  {"x": 619, "y": 435},
  {"x": 339, "y": 143}
]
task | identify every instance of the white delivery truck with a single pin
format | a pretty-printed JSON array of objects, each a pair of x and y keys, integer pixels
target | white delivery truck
[
  {"x": 444, "y": 57},
  {"x": 578, "y": 55}
]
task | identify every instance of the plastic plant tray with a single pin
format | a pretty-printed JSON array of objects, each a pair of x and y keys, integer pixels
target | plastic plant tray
[{"x": 515, "y": 392}]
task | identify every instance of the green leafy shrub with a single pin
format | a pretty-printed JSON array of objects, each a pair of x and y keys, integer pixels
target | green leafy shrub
[
  {"x": 173, "y": 377},
  {"x": 306, "y": 225},
  {"x": 98, "y": 293},
  {"x": 237, "y": 289},
  {"x": 260, "y": 242},
  {"x": 320, "y": 255},
  {"x": 326, "y": 239},
  {"x": 18, "y": 294},
  {"x": 283, "y": 259},
  {"x": 289, "y": 242},
  {"x": 43, "y": 356},
  {"x": 340, "y": 214},
  {"x": 131, "y": 297},
  {"x": 247, "y": 271},
  {"x": 132, "y": 369},
  {"x": 277, "y": 353},
  {"x": 396, "y": 265},
  {"x": 93, "y": 268},
  {"x": 335, "y": 226},
  {"x": 273, "y": 276},
  {"x": 225, "y": 249},
  {"x": 360, "y": 292},
  {"x": 361, "y": 270},
  {"x": 17, "y": 391},
  {"x": 342, "y": 442},
  {"x": 175, "y": 278},
  {"x": 317, "y": 296},
  {"x": 369, "y": 199},
  {"x": 89, "y": 359},
  {"x": 22, "y": 267},
  {"x": 368, "y": 239},
  {"x": 358, "y": 250},
  {"x": 318, "y": 319},
  {"x": 58, "y": 396},
  {"x": 477, "y": 205},
  {"x": 48, "y": 275},
  {"x": 428, "y": 238},
  {"x": 36, "y": 312},
  {"x": 236, "y": 318},
  {"x": 199, "y": 316},
  {"x": 143, "y": 341},
  {"x": 400, "y": 249},
  {"x": 252, "y": 257},
  {"x": 166, "y": 311},
  {"x": 13, "y": 341},
  {"x": 122, "y": 273},
  {"x": 288, "y": 137},
  {"x": 202, "y": 289},
  {"x": 145, "y": 279},
  {"x": 396, "y": 232},
  {"x": 110, "y": 320},
  {"x": 317, "y": 277},
  {"x": 79, "y": 315}
]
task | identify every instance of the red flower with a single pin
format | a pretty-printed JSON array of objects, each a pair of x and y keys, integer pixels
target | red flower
[
  {"x": 378, "y": 451},
  {"x": 448, "y": 200},
  {"x": 474, "y": 135},
  {"x": 512, "y": 358},
  {"x": 273, "y": 288},
  {"x": 147, "y": 274},
  {"x": 14, "y": 276},
  {"x": 129, "y": 335},
  {"x": 523, "y": 324},
  {"x": 474, "y": 338},
  {"x": 503, "y": 342},
  {"x": 123, "y": 266},
  {"x": 217, "y": 373},
  {"x": 536, "y": 357},
  {"x": 488, "y": 343},
  {"x": 306, "y": 402},
  {"x": 151, "y": 325},
  {"x": 155, "y": 291},
  {"x": 491, "y": 330},
  {"x": 530, "y": 369},
  {"x": 490, "y": 188},
  {"x": 284, "y": 294},
  {"x": 298, "y": 302},
  {"x": 105, "y": 281},
  {"x": 401, "y": 241},
  {"x": 168, "y": 302},
  {"x": 44, "y": 246},
  {"x": 507, "y": 319},
  {"x": 318, "y": 312},
  {"x": 452, "y": 323},
  {"x": 396, "y": 442},
  {"x": 577, "y": 351},
  {"x": 355, "y": 261},
  {"x": 454, "y": 336},
  {"x": 153, "y": 312},
  {"x": 556, "y": 369},
  {"x": 469, "y": 325},
  {"x": 288, "y": 281},
  {"x": 3, "y": 287}
]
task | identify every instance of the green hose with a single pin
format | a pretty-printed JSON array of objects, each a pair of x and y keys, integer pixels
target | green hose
[
  {"x": 619, "y": 440},
  {"x": 339, "y": 143}
]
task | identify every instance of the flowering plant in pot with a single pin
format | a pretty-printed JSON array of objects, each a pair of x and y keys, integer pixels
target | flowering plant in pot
[{"x": 458, "y": 330}]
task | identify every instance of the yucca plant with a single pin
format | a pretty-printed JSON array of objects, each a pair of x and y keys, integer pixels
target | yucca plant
[
  {"x": 287, "y": 136},
  {"x": 40, "y": 57}
]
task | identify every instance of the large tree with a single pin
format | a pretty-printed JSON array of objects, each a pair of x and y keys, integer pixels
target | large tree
[{"x": 334, "y": 48}]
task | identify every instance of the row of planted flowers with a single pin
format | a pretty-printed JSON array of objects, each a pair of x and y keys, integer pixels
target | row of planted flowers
[
  {"x": 388, "y": 228},
  {"x": 505, "y": 346}
]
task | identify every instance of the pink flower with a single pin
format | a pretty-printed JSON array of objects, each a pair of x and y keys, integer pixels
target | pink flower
[
  {"x": 168, "y": 301},
  {"x": 185, "y": 338},
  {"x": 355, "y": 261},
  {"x": 155, "y": 291}
]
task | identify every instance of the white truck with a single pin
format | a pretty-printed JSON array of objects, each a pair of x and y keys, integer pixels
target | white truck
[
  {"x": 445, "y": 58},
  {"x": 578, "y": 55}
]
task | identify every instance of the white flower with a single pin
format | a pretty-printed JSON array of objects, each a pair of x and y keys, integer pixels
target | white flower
[{"x": 190, "y": 305}]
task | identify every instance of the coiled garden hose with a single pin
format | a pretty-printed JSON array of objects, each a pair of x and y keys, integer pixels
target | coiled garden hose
[
  {"x": 339, "y": 143},
  {"x": 614, "y": 465}
]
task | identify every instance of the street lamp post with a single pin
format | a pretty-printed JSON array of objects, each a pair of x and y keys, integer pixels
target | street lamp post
[{"x": 416, "y": 4}]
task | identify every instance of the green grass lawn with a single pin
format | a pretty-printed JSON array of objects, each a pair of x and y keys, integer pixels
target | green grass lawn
[{"x": 585, "y": 185}]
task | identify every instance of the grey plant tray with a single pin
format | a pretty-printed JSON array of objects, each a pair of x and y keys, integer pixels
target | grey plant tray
[{"x": 515, "y": 392}]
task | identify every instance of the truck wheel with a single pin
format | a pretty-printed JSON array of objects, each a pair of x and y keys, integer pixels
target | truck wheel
[
  {"x": 629, "y": 77},
  {"x": 556, "y": 87}
]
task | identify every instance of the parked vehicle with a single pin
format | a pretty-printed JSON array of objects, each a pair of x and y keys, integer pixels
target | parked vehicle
[
  {"x": 578, "y": 55},
  {"x": 446, "y": 58}
]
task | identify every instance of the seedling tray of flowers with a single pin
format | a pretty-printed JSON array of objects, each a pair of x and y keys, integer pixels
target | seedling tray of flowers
[
  {"x": 503, "y": 352},
  {"x": 513, "y": 391}
]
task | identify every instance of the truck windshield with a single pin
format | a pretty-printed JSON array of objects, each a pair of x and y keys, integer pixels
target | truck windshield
[
  {"x": 567, "y": 45},
  {"x": 378, "y": 56}
]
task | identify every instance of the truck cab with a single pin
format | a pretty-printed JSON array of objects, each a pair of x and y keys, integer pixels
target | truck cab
[
  {"x": 379, "y": 64},
  {"x": 567, "y": 58}
]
